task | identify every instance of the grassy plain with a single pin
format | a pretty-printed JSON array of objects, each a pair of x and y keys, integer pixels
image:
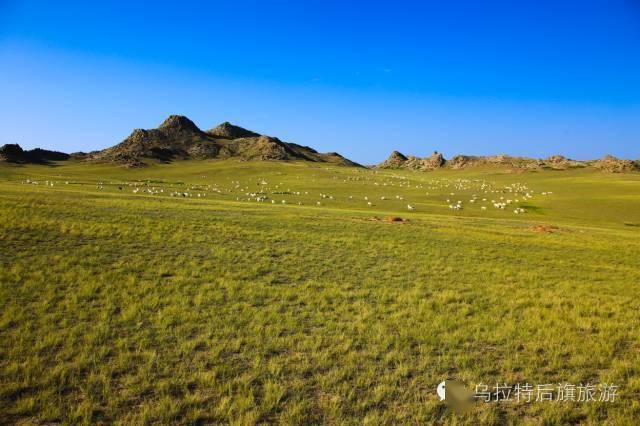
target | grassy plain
[{"x": 146, "y": 308}]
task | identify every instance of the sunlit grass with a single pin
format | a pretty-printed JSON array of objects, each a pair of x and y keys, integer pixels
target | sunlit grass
[{"x": 149, "y": 308}]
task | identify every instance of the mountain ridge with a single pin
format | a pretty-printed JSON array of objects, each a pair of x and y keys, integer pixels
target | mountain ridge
[
  {"x": 179, "y": 138},
  {"x": 397, "y": 160}
]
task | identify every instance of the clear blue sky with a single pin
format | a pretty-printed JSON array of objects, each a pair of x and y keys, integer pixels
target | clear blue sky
[{"x": 361, "y": 78}]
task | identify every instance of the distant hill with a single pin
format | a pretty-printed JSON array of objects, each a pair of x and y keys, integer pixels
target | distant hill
[
  {"x": 608, "y": 163},
  {"x": 179, "y": 138},
  {"x": 13, "y": 153}
]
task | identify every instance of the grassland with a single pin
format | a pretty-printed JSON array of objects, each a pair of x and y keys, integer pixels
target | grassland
[{"x": 129, "y": 307}]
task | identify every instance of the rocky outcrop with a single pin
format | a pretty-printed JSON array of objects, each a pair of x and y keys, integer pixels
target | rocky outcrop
[
  {"x": 398, "y": 161},
  {"x": 556, "y": 162},
  {"x": 462, "y": 161},
  {"x": 436, "y": 160},
  {"x": 612, "y": 164},
  {"x": 559, "y": 162},
  {"x": 395, "y": 161}
]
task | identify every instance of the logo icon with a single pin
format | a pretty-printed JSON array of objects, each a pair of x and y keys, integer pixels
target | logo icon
[
  {"x": 440, "y": 390},
  {"x": 454, "y": 394}
]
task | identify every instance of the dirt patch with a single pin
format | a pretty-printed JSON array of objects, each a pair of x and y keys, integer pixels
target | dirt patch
[
  {"x": 386, "y": 219},
  {"x": 548, "y": 229},
  {"x": 395, "y": 219},
  {"x": 390, "y": 219}
]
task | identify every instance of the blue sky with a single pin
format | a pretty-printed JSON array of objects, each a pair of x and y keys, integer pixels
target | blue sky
[{"x": 362, "y": 78}]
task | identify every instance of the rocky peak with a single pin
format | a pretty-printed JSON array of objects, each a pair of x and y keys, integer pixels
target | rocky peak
[
  {"x": 397, "y": 155},
  {"x": 11, "y": 149},
  {"x": 231, "y": 131},
  {"x": 395, "y": 160},
  {"x": 436, "y": 159},
  {"x": 178, "y": 123},
  {"x": 14, "y": 153}
]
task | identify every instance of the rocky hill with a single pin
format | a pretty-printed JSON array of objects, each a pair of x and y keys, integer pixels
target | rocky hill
[
  {"x": 179, "y": 138},
  {"x": 557, "y": 162},
  {"x": 13, "y": 153},
  {"x": 610, "y": 163}
]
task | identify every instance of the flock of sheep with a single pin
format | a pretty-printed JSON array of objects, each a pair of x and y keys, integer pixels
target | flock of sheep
[{"x": 460, "y": 193}]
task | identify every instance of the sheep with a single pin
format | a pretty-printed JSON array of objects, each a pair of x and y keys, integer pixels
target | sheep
[{"x": 410, "y": 207}]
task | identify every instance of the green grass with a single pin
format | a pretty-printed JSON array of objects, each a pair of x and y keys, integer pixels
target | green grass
[{"x": 137, "y": 308}]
